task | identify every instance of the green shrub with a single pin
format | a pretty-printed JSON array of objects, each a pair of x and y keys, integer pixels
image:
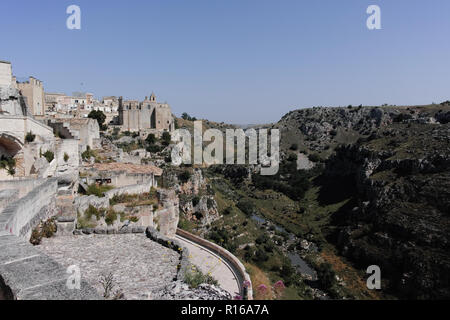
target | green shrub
[
  {"x": 66, "y": 157},
  {"x": 88, "y": 154},
  {"x": 314, "y": 157},
  {"x": 292, "y": 157},
  {"x": 184, "y": 176},
  {"x": 133, "y": 219},
  {"x": 210, "y": 203},
  {"x": 46, "y": 229},
  {"x": 326, "y": 275},
  {"x": 227, "y": 211},
  {"x": 246, "y": 206},
  {"x": 30, "y": 137},
  {"x": 195, "y": 201},
  {"x": 153, "y": 148},
  {"x": 49, "y": 155},
  {"x": 166, "y": 138},
  {"x": 151, "y": 139},
  {"x": 194, "y": 278},
  {"x": 100, "y": 117},
  {"x": 92, "y": 211},
  {"x": 8, "y": 164},
  {"x": 98, "y": 191},
  {"x": 112, "y": 215},
  {"x": 260, "y": 256}
]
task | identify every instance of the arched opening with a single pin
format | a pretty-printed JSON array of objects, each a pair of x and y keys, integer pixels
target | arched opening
[{"x": 10, "y": 146}]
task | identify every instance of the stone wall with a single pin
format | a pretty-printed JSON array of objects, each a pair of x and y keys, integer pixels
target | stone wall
[
  {"x": 120, "y": 179},
  {"x": 33, "y": 91},
  {"x": 19, "y": 126},
  {"x": 5, "y": 73},
  {"x": 68, "y": 162},
  {"x": 21, "y": 216},
  {"x": 8, "y": 196},
  {"x": 24, "y": 186},
  {"x": 82, "y": 203},
  {"x": 133, "y": 189},
  {"x": 185, "y": 264}
]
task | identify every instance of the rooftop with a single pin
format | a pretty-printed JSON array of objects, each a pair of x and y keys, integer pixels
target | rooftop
[{"x": 127, "y": 167}]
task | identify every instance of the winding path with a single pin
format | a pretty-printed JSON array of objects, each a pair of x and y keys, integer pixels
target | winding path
[{"x": 211, "y": 263}]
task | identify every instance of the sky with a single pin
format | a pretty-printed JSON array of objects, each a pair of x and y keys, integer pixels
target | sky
[{"x": 236, "y": 61}]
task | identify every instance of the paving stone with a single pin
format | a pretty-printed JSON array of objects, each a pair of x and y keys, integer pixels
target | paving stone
[
  {"x": 140, "y": 266},
  {"x": 60, "y": 291},
  {"x": 32, "y": 272},
  {"x": 16, "y": 252}
]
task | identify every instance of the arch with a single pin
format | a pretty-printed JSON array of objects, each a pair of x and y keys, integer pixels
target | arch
[{"x": 9, "y": 145}]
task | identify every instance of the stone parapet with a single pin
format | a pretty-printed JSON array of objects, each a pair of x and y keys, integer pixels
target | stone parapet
[{"x": 232, "y": 261}]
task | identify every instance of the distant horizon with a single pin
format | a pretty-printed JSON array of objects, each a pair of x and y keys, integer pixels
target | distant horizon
[{"x": 234, "y": 61}]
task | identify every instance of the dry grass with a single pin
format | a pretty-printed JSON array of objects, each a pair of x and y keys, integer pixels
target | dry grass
[
  {"x": 258, "y": 278},
  {"x": 353, "y": 280}
]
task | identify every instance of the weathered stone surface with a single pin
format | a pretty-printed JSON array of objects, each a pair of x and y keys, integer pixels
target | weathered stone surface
[
  {"x": 138, "y": 230},
  {"x": 88, "y": 231},
  {"x": 140, "y": 266},
  {"x": 65, "y": 228},
  {"x": 181, "y": 291},
  {"x": 59, "y": 291},
  {"x": 8, "y": 196},
  {"x": 82, "y": 203},
  {"x": 30, "y": 275},
  {"x": 99, "y": 231},
  {"x": 170, "y": 215}
]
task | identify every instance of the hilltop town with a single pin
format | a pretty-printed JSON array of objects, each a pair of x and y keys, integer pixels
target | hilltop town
[{"x": 76, "y": 170}]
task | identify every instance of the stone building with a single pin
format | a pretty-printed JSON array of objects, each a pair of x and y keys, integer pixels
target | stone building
[
  {"x": 86, "y": 131},
  {"x": 15, "y": 123},
  {"x": 148, "y": 115},
  {"x": 5, "y": 74},
  {"x": 33, "y": 91},
  {"x": 53, "y": 101}
]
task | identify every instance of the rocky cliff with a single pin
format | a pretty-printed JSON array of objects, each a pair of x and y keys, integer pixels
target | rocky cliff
[{"x": 398, "y": 216}]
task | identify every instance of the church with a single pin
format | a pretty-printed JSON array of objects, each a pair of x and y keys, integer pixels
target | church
[{"x": 148, "y": 115}]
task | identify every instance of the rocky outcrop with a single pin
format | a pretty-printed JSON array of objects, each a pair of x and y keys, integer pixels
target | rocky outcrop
[
  {"x": 321, "y": 129},
  {"x": 169, "y": 216},
  {"x": 181, "y": 291},
  {"x": 398, "y": 215},
  {"x": 196, "y": 202}
]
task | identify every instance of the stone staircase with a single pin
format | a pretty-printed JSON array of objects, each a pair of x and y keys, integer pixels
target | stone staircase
[
  {"x": 66, "y": 207},
  {"x": 63, "y": 129}
]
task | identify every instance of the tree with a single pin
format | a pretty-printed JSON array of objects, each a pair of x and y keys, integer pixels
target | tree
[
  {"x": 100, "y": 117},
  {"x": 166, "y": 138},
  {"x": 151, "y": 139},
  {"x": 326, "y": 275},
  {"x": 187, "y": 117}
]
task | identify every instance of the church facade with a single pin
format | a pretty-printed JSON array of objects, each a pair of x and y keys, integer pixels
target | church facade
[{"x": 148, "y": 115}]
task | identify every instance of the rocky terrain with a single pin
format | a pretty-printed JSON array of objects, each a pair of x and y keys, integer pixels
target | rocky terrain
[
  {"x": 391, "y": 167},
  {"x": 320, "y": 130},
  {"x": 398, "y": 215},
  {"x": 181, "y": 291}
]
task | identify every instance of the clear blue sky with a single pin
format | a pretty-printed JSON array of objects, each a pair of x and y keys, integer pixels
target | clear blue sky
[{"x": 238, "y": 61}]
